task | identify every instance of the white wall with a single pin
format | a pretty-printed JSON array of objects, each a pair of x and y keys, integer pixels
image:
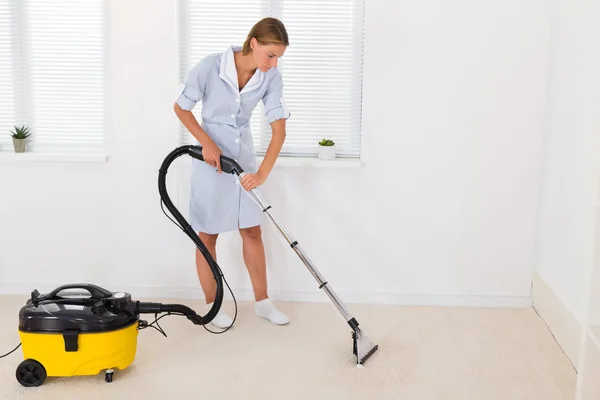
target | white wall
[
  {"x": 441, "y": 211},
  {"x": 571, "y": 162}
]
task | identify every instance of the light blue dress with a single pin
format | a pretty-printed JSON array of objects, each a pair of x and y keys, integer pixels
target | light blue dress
[{"x": 218, "y": 203}]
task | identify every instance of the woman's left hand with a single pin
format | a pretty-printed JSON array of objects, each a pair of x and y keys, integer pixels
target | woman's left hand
[{"x": 251, "y": 181}]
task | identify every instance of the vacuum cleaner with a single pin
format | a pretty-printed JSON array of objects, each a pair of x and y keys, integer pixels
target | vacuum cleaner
[{"x": 96, "y": 329}]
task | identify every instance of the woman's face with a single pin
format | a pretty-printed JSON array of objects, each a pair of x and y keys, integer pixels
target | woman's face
[{"x": 265, "y": 56}]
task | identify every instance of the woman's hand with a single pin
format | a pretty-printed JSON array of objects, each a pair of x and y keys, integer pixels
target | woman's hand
[
  {"x": 251, "y": 181},
  {"x": 212, "y": 155}
]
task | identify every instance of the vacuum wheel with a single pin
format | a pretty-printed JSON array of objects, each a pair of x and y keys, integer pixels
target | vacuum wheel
[
  {"x": 31, "y": 373},
  {"x": 109, "y": 375}
]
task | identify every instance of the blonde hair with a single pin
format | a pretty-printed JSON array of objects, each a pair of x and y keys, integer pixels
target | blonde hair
[{"x": 266, "y": 31}]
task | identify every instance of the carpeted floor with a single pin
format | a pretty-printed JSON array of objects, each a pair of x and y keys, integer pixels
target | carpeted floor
[{"x": 425, "y": 353}]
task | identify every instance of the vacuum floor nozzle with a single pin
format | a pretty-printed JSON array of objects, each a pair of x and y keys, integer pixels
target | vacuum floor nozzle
[{"x": 363, "y": 347}]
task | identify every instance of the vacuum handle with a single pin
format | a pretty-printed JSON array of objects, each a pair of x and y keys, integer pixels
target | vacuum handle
[
  {"x": 96, "y": 292},
  {"x": 228, "y": 165}
]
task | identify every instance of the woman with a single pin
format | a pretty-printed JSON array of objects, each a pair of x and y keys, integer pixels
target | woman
[{"x": 230, "y": 85}]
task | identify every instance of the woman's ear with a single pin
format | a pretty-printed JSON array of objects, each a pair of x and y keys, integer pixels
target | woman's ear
[{"x": 253, "y": 43}]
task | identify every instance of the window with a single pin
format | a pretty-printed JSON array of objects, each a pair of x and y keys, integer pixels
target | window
[
  {"x": 322, "y": 68},
  {"x": 52, "y": 73}
]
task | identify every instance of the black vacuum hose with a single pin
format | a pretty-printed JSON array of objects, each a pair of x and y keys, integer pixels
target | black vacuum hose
[
  {"x": 157, "y": 308},
  {"x": 228, "y": 166}
]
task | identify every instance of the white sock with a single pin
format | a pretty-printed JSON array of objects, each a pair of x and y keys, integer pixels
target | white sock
[
  {"x": 266, "y": 309},
  {"x": 221, "y": 320}
]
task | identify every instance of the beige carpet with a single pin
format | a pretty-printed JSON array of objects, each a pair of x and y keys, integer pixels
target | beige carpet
[{"x": 425, "y": 353}]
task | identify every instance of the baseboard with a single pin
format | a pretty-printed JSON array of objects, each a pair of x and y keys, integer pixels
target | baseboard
[
  {"x": 145, "y": 292},
  {"x": 563, "y": 325},
  {"x": 588, "y": 386}
]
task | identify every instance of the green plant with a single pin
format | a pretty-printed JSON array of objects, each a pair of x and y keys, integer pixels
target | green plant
[
  {"x": 326, "y": 142},
  {"x": 20, "y": 132}
]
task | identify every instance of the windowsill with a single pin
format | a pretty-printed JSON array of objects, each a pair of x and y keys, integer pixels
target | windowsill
[
  {"x": 284, "y": 162},
  {"x": 293, "y": 162},
  {"x": 51, "y": 157}
]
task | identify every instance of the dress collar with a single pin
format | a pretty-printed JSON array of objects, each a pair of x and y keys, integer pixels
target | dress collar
[{"x": 228, "y": 72}]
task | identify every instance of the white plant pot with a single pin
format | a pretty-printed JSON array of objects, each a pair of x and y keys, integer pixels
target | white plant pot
[
  {"x": 20, "y": 145},
  {"x": 326, "y": 152}
]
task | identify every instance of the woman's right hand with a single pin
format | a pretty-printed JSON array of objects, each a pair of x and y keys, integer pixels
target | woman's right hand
[{"x": 212, "y": 155}]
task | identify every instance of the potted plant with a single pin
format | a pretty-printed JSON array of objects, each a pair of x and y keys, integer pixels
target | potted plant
[
  {"x": 19, "y": 137},
  {"x": 326, "y": 149}
]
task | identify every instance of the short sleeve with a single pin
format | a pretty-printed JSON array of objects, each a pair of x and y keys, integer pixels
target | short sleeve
[
  {"x": 275, "y": 105},
  {"x": 191, "y": 90}
]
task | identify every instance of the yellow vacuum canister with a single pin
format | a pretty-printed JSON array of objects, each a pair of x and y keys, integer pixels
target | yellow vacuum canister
[
  {"x": 86, "y": 332},
  {"x": 76, "y": 335}
]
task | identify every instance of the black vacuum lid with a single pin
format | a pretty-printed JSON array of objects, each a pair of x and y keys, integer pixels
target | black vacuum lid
[{"x": 58, "y": 312}]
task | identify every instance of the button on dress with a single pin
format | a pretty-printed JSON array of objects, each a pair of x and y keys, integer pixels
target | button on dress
[{"x": 218, "y": 202}]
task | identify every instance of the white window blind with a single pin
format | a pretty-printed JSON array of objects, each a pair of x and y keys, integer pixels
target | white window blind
[
  {"x": 7, "y": 78},
  {"x": 52, "y": 57},
  {"x": 322, "y": 67}
]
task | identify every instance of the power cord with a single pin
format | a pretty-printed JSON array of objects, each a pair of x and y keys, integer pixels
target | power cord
[
  {"x": 234, "y": 316},
  {"x": 9, "y": 353},
  {"x": 144, "y": 324},
  {"x": 222, "y": 276}
]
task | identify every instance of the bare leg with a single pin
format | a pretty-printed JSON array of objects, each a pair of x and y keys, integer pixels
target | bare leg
[
  {"x": 254, "y": 257},
  {"x": 207, "y": 279}
]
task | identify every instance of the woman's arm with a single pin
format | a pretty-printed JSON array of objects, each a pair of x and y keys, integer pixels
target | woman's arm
[
  {"x": 191, "y": 124},
  {"x": 277, "y": 113},
  {"x": 210, "y": 151},
  {"x": 250, "y": 181},
  {"x": 277, "y": 139}
]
